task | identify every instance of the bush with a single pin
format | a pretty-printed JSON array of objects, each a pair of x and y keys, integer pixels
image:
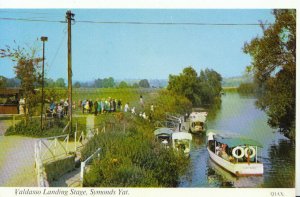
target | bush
[
  {"x": 132, "y": 159},
  {"x": 170, "y": 102},
  {"x": 247, "y": 88},
  {"x": 58, "y": 168},
  {"x": 33, "y": 128}
]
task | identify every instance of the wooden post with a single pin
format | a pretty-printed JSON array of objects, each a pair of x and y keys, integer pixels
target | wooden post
[
  {"x": 75, "y": 136},
  {"x": 43, "y": 39},
  {"x": 70, "y": 18},
  {"x": 14, "y": 123}
]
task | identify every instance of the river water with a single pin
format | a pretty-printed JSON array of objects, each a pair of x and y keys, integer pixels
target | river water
[{"x": 238, "y": 114}]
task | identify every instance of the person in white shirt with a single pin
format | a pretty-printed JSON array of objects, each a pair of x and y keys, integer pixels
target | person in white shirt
[{"x": 126, "y": 108}]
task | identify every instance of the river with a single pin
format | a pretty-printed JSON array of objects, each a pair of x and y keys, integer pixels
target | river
[{"x": 238, "y": 114}]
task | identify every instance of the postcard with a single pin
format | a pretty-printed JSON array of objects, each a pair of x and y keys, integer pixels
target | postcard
[{"x": 131, "y": 101}]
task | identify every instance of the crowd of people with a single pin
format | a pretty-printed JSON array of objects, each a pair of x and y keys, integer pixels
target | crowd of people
[
  {"x": 59, "y": 109},
  {"x": 100, "y": 106},
  {"x": 97, "y": 107}
]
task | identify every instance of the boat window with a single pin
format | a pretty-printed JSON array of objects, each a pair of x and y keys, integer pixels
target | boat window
[{"x": 197, "y": 123}]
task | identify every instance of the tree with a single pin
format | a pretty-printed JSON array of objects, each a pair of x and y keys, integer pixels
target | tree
[
  {"x": 123, "y": 84},
  {"x": 49, "y": 82},
  {"x": 186, "y": 84},
  {"x": 77, "y": 84},
  {"x": 105, "y": 83},
  {"x": 13, "y": 82},
  {"x": 27, "y": 70},
  {"x": 135, "y": 85},
  {"x": 3, "y": 81},
  {"x": 108, "y": 82},
  {"x": 202, "y": 89},
  {"x": 144, "y": 83},
  {"x": 274, "y": 67},
  {"x": 60, "y": 82},
  {"x": 210, "y": 85}
]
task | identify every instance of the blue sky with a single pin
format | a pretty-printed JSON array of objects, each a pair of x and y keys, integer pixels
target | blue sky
[{"x": 126, "y": 51}]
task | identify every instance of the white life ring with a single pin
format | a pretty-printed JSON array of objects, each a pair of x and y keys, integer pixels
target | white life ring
[
  {"x": 252, "y": 150},
  {"x": 234, "y": 152}
]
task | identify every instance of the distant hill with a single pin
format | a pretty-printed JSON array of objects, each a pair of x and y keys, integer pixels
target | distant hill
[{"x": 235, "y": 81}]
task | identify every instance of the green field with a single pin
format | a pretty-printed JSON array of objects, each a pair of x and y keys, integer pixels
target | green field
[{"x": 130, "y": 95}]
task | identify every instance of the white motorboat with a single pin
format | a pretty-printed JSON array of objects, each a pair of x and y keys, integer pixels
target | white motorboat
[{"x": 237, "y": 155}]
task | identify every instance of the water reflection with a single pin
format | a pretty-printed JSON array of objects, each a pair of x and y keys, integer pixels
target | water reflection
[
  {"x": 280, "y": 164},
  {"x": 238, "y": 114}
]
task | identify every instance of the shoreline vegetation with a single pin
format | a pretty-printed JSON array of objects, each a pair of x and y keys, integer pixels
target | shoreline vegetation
[{"x": 130, "y": 157}]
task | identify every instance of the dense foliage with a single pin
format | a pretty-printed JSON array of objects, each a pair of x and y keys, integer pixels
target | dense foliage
[
  {"x": 27, "y": 70},
  {"x": 32, "y": 128},
  {"x": 57, "y": 168},
  {"x": 202, "y": 89},
  {"x": 247, "y": 88},
  {"x": 123, "y": 84},
  {"x": 274, "y": 67},
  {"x": 167, "y": 101},
  {"x": 132, "y": 159},
  {"x": 144, "y": 83},
  {"x": 104, "y": 83}
]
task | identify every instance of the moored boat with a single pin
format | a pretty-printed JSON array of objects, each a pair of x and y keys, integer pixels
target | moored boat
[
  {"x": 181, "y": 141},
  {"x": 164, "y": 135},
  {"x": 237, "y": 155},
  {"x": 197, "y": 121}
]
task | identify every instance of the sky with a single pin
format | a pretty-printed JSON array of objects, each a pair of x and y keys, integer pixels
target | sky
[{"x": 128, "y": 51}]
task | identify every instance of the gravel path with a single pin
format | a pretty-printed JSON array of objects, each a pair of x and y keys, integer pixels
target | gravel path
[{"x": 17, "y": 161}]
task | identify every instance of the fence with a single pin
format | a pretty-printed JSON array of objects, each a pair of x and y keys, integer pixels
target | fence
[
  {"x": 80, "y": 138},
  {"x": 43, "y": 147},
  {"x": 41, "y": 176},
  {"x": 84, "y": 163}
]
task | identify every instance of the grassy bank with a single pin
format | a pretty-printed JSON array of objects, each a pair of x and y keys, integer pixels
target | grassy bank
[{"x": 132, "y": 157}]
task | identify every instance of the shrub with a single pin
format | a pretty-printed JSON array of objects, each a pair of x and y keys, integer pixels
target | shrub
[
  {"x": 58, "y": 168},
  {"x": 33, "y": 128},
  {"x": 132, "y": 159},
  {"x": 247, "y": 88},
  {"x": 170, "y": 102}
]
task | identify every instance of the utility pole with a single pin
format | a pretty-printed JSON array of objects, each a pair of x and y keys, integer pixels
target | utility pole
[
  {"x": 43, "y": 39},
  {"x": 70, "y": 18}
]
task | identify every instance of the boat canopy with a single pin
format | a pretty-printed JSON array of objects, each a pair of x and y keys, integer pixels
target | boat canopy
[
  {"x": 240, "y": 141},
  {"x": 163, "y": 131},
  {"x": 181, "y": 136},
  {"x": 198, "y": 116}
]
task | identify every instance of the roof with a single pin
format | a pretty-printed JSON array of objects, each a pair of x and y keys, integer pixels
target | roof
[
  {"x": 198, "y": 116},
  {"x": 182, "y": 135},
  {"x": 239, "y": 141},
  {"x": 10, "y": 91},
  {"x": 232, "y": 139},
  {"x": 162, "y": 131}
]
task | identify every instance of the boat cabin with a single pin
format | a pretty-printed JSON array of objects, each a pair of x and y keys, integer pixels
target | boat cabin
[
  {"x": 164, "y": 135},
  {"x": 181, "y": 141},
  {"x": 197, "y": 122},
  {"x": 238, "y": 155},
  {"x": 238, "y": 149}
]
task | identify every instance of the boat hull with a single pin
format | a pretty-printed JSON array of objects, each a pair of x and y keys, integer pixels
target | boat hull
[{"x": 238, "y": 169}]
